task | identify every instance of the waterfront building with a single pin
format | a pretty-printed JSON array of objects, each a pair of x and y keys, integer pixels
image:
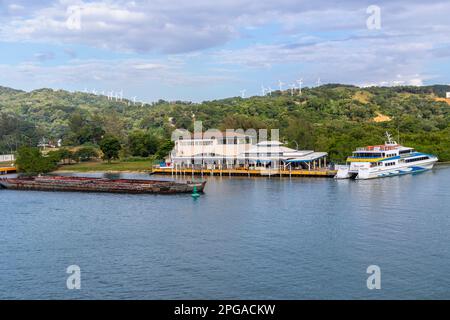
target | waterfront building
[
  {"x": 239, "y": 151},
  {"x": 7, "y": 158},
  {"x": 220, "y": 150},
  {"x": 273, "y": 154}
]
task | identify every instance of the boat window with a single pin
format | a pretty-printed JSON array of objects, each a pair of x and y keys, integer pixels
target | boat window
[
  {"x": 366, "y": 155},
  {"x": 417, "y": 159}
]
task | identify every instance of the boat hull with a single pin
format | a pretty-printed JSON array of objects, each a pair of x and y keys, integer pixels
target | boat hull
[
  {"x": 395, "y": 171},
  {"x": 75, "y": 184},
  {"x": 364, "y": 171}
]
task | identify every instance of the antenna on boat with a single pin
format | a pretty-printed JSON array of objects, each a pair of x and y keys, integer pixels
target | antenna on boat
[{"x": 389, "y": 139}]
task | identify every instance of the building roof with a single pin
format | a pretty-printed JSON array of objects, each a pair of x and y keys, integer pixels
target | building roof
[{"x": 309, "y": 157}]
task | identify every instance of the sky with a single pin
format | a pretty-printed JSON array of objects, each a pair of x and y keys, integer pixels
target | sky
[{"x": 203, "y": 49}]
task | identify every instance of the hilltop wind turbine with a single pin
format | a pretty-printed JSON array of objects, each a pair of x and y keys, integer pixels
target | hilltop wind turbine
[
  {"x": 263, "y": 90},
  {"x": 319, "y": 82},
  {"x": 292, "y": 89},
  {"x": 270, "y": 91},
  {"x": 300, "y": 82},
  {"x": 134, "y": 100},
  {"x": 243, "y": 93},
  {"x": 94, "y": 91},
  {"x": 280, "y": 85}
]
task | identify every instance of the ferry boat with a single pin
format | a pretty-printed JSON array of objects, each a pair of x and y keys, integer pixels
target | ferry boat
[{"x": 390, "y": 159}]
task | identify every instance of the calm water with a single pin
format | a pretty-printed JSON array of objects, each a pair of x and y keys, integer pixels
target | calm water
[{"x": 245, "y": 238}]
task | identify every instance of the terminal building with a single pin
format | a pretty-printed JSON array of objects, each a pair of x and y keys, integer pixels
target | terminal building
[{"x": 233, "y": 150}]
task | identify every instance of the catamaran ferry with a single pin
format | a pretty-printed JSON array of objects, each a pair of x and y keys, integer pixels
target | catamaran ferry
[{"x": 386, "y": 160}]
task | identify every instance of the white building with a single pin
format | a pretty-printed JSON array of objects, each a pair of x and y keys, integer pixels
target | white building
[
  {"x": 447, "y": 95},
  {"x": 210, "y": 151},
  {"x": 274, "y": 155},
  {"x": 235, "y": 150},
  {"x": 7, "y": 158}
]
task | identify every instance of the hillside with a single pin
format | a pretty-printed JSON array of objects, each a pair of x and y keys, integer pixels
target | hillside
[{"x": 334, "y": 118}]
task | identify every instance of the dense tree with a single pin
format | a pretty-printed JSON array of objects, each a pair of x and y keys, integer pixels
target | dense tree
[
  {"x": 31, "y": 161},
  {"x": 110, "y": 147},
  {"x": 164, "y": 149},
  {"x": 142, "y": 144},
  {"x": 333, "y": 118},
  {"x": 62, "y": 155},
  {"x": 85, "y": 154}
]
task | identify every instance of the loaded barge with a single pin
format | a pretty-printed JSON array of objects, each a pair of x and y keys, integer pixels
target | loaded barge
[{"x": 59, "y": 183}]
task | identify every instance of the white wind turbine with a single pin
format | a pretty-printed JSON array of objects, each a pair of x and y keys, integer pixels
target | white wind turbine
[
  {"x": 280, "y": 85},
  {"x": 270, "y": 91},
  {"x": 319, "y": 82},
  {"x": 263, "y": 90},
  {"x": 292, "y": 89},
  {"x": 243, "y": 93},
  {"x": 134, "y": 100},
  {"x": 300, "y": 82}
]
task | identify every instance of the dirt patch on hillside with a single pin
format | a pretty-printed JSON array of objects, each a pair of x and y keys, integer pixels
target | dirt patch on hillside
[{"x": 381, "y": 118}]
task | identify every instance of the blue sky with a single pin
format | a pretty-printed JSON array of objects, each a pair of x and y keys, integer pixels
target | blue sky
[{"x": 201, "y": 50}]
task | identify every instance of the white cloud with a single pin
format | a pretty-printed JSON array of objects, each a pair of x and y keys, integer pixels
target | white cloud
[{"x": 319, "y": 38}]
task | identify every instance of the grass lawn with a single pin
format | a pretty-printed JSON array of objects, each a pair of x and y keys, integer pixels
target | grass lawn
[{"x": 136, "y": 166}]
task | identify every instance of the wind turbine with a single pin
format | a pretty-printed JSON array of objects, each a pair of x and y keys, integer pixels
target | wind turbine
[
  {"x": 263, "y": 90},
  {"x": 292, "y": 89},
  {"x": 121, "y": 94},
  {"x": 300, "y": 82},
  {"x": 270, "y": 91},
  {"x": 280, "y": 85},
  {"x": 319, "y": 82},
  {"x": 243, "y": 93},
  {"x": 134, "y": 100}
]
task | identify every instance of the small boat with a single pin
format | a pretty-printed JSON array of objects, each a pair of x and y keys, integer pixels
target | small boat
[
  {"x": 60, "y": 183},
  {"x": 390, "y": 159}
]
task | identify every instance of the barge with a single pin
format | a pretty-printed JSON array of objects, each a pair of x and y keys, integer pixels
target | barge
[{"x": 60, "y": 183}]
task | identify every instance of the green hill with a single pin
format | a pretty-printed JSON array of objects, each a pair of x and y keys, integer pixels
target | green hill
[{"x": 334, "y": 118}]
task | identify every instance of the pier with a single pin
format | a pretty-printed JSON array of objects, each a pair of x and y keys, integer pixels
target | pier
[
  {"x": 6, "y": 170},
  {"x": 325, "y": 173}
]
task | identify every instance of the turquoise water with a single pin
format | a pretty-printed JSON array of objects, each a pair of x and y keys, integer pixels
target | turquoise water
[{"x": 246, "y": 238}]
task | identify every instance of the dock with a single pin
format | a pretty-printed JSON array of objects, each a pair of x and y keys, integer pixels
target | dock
[
  {"x": 6, "y": 170},
  {"x": 246, "y": 172}
]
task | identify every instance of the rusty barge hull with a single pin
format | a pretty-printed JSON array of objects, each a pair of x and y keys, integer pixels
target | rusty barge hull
[{"x": 76, "y": 184}]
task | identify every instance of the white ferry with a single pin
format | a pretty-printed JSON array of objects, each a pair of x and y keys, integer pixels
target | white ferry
[{"x": 390, "y": 159}]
